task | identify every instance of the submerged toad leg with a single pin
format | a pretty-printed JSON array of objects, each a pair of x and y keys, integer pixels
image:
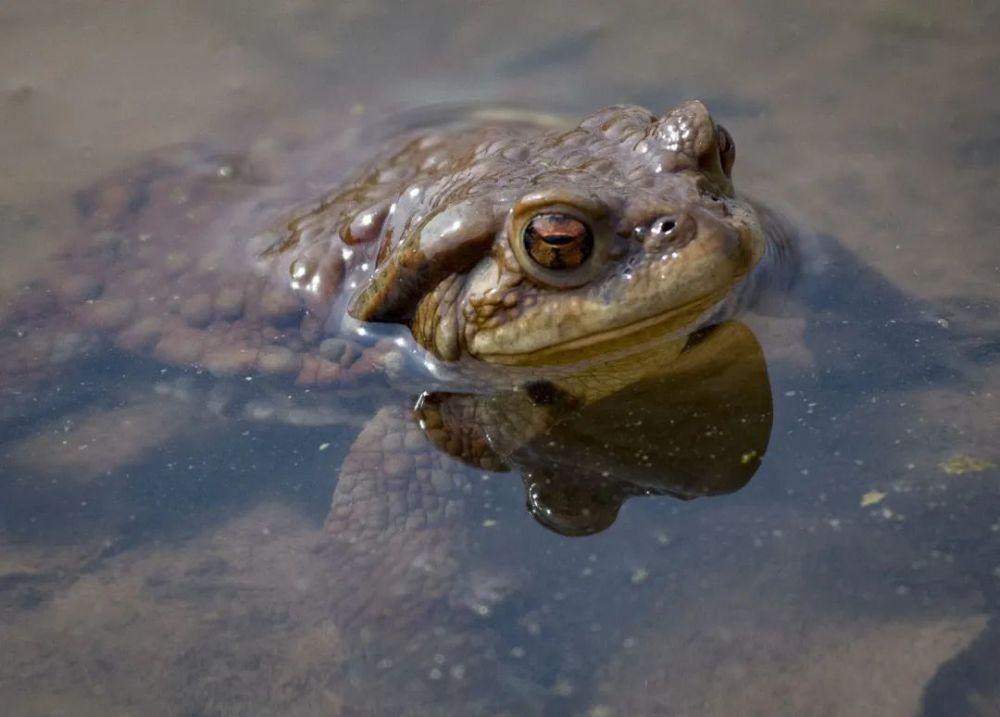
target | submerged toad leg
[
  {"x": 397, "y": 518},
  {"x": 399, "y": 531}
]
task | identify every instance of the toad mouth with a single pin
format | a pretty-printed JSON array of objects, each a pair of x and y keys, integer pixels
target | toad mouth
[{"x": 676, "y": 319}]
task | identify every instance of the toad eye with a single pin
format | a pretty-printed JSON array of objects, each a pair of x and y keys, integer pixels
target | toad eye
[{"x": 557, "y": 241}]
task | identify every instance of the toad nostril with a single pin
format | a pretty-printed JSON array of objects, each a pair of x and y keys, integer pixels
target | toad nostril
[{"x": 663, "y": 226}]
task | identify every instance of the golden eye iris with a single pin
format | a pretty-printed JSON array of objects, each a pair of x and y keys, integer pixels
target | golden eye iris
[{"x": 557, "y": 241}]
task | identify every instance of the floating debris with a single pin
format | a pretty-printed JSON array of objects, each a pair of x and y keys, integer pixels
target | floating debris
[
  {"x": 960, "y": 464},
  {"x": 872, "y": 497},
  {"x": 563, "y": 688},
  {"x": 639, "y": 575}
]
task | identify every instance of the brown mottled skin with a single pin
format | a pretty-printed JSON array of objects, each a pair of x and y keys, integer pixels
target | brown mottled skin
[
  {"x": 452, "y": 264},
  {"x": 196, "y": 262}
]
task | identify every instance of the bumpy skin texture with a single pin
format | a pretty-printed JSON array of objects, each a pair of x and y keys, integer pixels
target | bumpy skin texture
[{"x": 670, "y": 238}]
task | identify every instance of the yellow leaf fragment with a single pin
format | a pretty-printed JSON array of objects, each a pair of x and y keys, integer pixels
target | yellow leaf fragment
[
  {"x": 872, "y": 497},
  {"x": 960, "y": 464}
]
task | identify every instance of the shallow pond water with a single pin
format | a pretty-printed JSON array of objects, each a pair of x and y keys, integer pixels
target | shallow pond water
[{"x": 162, "y": 543}]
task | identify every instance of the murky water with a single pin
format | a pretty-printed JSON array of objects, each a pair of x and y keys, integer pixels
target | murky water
[{"x": 163, "y": 554}]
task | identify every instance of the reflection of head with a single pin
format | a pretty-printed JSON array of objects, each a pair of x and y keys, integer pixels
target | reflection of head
[
  {"x": 573, "y": 507},
  {"x": 699, "y": 428}
]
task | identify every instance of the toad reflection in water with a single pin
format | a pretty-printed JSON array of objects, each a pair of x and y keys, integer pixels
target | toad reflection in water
[{"x": 698, "y": 429}]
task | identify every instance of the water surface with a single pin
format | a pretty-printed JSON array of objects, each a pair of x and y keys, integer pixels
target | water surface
[{"x": 148, "y": 568}]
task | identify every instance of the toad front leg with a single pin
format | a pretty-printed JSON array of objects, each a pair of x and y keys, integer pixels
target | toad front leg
[{"x": 399, "y": 535}]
